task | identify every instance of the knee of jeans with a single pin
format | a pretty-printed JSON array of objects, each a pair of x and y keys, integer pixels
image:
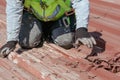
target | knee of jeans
[
  {"x": 27, "y": 45},
  {"x": 65, "y": 41}
]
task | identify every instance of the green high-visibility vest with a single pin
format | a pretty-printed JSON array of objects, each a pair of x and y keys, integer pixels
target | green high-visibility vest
[{"x": 48, "y": 10}]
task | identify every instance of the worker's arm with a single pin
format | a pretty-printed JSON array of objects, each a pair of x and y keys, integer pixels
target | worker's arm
[
  {"x": 14, "y": 11},
  {"x": 82, "y": 15},
  {"x": 82, "y": 12}
]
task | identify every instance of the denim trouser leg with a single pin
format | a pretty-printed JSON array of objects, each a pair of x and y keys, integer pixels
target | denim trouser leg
[
  {"x": 63, "y": 32},
  {"x": 30, "y": 32}
]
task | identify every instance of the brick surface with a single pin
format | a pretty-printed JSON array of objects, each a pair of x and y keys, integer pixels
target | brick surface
[{"x": 51, "y": 62}]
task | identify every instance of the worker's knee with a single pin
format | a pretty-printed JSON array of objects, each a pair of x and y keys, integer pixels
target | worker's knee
[
  {"x": 29, "y": 45},
  {"x": 30, "y": 42},
  {"x": 65, "y": 40}
]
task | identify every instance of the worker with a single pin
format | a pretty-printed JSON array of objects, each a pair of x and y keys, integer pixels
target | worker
[{"x": 30, "y": 22}]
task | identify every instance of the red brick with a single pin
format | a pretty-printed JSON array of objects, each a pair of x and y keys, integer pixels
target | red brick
[{"x": 51, "y": 62}]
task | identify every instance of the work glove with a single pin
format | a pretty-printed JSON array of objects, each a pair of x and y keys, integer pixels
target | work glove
[
  {"x": 83, "y": 37},
  {"x": 7, "y": 48}
]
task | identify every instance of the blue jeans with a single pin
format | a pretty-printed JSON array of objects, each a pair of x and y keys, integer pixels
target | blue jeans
[{"x": 33, "y": 31}]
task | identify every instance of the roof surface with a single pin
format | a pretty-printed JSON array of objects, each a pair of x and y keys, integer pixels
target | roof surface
[{"x": 52, "y": 62}]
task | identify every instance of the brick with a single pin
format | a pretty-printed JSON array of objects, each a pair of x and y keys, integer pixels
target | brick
[{"x": 51, "y": 62}]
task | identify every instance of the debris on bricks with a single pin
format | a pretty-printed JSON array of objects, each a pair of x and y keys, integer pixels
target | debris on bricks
[{"x": 112, "y": 65}]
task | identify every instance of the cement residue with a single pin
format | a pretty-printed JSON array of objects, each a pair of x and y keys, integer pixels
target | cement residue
[{"x": 112, "y": 65}]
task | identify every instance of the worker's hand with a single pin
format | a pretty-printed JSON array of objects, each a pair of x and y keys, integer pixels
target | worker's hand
[
  {"x": 7, "y": 48},
  {"x": 83, "y": 37}
]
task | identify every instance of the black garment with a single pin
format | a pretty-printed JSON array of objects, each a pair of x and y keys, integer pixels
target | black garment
[{"x": 33, "y": 31}]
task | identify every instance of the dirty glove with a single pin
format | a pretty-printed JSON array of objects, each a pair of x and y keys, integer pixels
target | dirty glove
[
  {"x": 82, "y": 36},
  {"x": 7, "y": 48}
]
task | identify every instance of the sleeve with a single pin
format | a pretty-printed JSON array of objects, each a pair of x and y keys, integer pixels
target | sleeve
[
  {"x": 82, "y": 12},
  {"x": 14, "y": 11}
]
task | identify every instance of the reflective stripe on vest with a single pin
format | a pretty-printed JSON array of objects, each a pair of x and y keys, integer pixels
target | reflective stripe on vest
[{"x": 48, "y": 10}]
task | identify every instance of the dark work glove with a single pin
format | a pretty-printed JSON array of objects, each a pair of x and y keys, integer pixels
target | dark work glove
[
  {"x": 7, "y": 48},
  {"x": 82, "y": 36}
]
